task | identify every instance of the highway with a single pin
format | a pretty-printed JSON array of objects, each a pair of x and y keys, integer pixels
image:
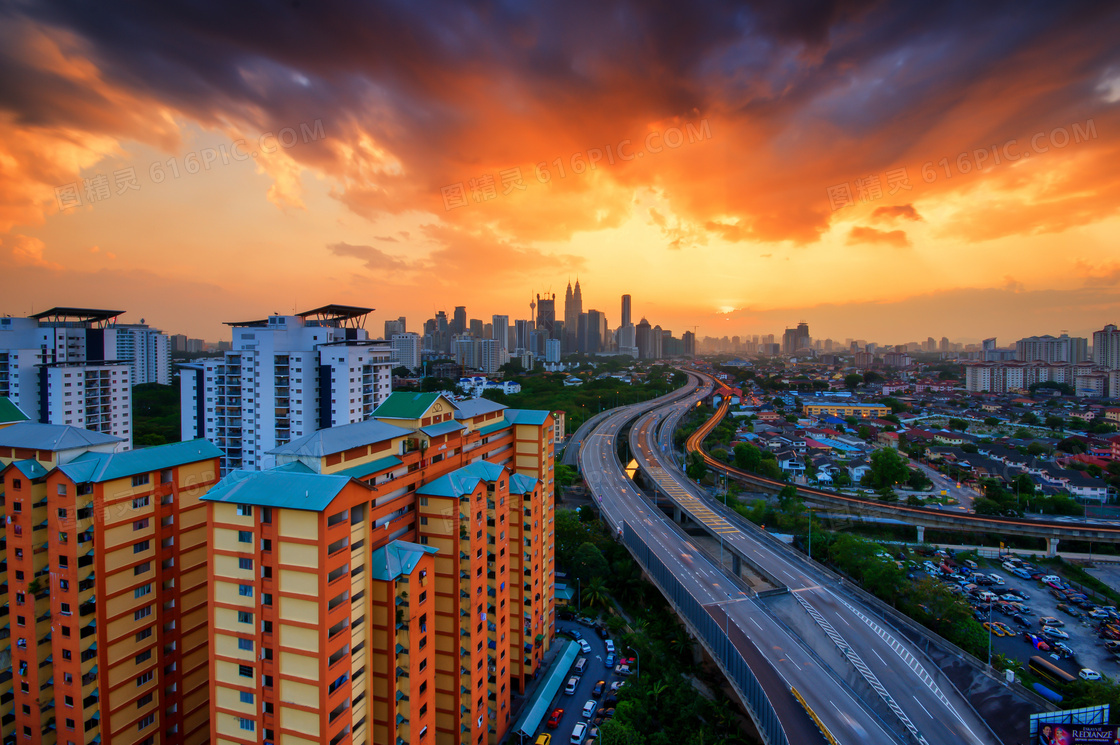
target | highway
[
  {"x": 924, "y": 702},
  {"x": 775, "y": 657}
]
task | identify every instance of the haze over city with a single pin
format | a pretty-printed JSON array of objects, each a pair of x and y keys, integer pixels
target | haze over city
[{"x": 866, "y": 167}]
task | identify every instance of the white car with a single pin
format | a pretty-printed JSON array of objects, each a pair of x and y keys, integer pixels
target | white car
[
  {"x": 589, "y": 708},
  {"x": 610, "y": 646},
  {"x": 1089, "y": 674},
  {"x": 1054, "y": 633},
  {"x": 1050, "y": 578},
  {"x": 997, "y": 579},
  {"x": 585, "y": 646},
  {"x": 578, "y": 732}
]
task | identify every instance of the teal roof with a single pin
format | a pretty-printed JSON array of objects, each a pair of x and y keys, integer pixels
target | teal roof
[
  {"x": 287, "y": 489},
  {"x": 396, "y": 559},
  {"x": 443, "y": 428},
  {"x": 519, "y": 484},
  {"x": 563, "y": 592},
  {"x": 533, "y": 714},
  {"x": 97, "y": 467},
  {"x": 407, "y": 405},
  {"x": 53, "y": 437},
  {"x": 9, "y": 412},
  {"x": 463, "y": 481},
  {"x": 365, "y": 470},
  {"x": 500, "y": 424},
  {"x": 341, "y": 438},
  {"x": 527, "y": 416},
  {"x": 295, "y": 466},
  {"x": 30, "y": 469}
]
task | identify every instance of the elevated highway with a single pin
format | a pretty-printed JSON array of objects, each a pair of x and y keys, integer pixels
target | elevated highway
[{"x": 921, "y": 517}]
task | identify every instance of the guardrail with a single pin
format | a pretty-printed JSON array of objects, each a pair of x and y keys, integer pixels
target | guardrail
[
  {"x": 813, "y": 715},
  {"x": 714, "y": 639}
]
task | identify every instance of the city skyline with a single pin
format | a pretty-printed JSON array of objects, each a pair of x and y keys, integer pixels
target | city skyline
[{"x": 770, "y": 186}]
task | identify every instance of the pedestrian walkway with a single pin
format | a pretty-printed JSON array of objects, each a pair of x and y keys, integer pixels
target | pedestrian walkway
[{"x": 531, "y": 707}]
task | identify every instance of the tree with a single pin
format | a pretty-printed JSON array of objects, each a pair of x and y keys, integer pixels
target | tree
[
  {"x": 595, "y": 593},
  {"x": 896, "y": 406},
  {"x": 1054, "y": 422},
  {"x": 888, "y": 467},
  {"x": 864, "y": 432},
  {"x": 1037, "y": 448},
  {"x": 1072, "y": 445},
  {"x": 991, "y": 421},
  {"x": 696, "y": 469},
  {"x": 400, "y": 371},
  {"x": 1030, "y": 418},
  {"x": 589, "y": 563},
  {"x": 958, "y": 424},
  {"x": 871, "y": 377},
  {"x": 747, "y": 457},
  {"x": 852, "y": 381}
]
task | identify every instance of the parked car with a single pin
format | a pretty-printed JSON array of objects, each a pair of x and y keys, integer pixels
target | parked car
[
  {"x": 574, "y": 633},
  {"x": 1088, "y": 674},
  {"x": 597, "y": 691},
  {"x": 604, "y": 632},
  {"x": 609, "y": 661},
  {"x": 1024, "y": 623},
  {"x": 577, "y": 733},
  {"x": 585, "y": 646},
  {"x": 1062, "y": 649},
  {"x": 570, "y": 688},
  {"x": 610, "y": 646},
  {"x": 1098, "y": 613},
  {"x": 1051, "y": 579},
  {"x": 543, "y": 739},
  {"x": 554, "y": 718},
  {"x": 1052, "y": 633},
  {"x": 994, "y": 628},
  {"x": 589, "y": 708},
  {"x": 1051, "y": 621}
]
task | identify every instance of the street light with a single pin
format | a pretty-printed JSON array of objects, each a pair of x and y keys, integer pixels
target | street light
[
  {"x": 989, "y": 633},
  {"x": 579, "y": 596}
]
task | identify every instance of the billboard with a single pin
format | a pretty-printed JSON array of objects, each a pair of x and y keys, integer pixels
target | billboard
[{"x": 1078, "y": 734}]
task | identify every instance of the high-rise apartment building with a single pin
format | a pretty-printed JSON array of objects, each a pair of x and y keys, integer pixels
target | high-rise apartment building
[
  {"x": 459, "y": 320},
  {"x": 796, "y": 338},
  {"x": 179, "y": 343},
  {"x": 106, "y": 573},
  {"x": 405, "y": 350},
  {"x": 395, "y": 326},
  {"x": 1106, "y": 347},
  {"x": 1064, "y": 348},
  {"x": 388, "y": 581},
  {"x": 285, "y": 377},
  {"x": 626, "y": 320},
  {"x": 522, "y": 333},
  {"x": 73, "y": 366}
]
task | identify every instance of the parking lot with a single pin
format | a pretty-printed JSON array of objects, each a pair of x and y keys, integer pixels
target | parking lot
[
  {"x": 1088, "y": 650},
  {"x": 573, "y": 704}
]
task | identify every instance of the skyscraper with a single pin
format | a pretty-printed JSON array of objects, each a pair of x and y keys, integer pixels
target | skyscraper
[
  {"x": 500, "y": 330},
  {"x": 625, "y": 311},
  {"x": 394, "y": 326},
  {"x": 595, "y": 324},
  {"x": 459, "y": 321},
  {"x": 546, "y": 314},
  {"x": 573, "y": 306},
  {"x": 1106, "y": 347}
]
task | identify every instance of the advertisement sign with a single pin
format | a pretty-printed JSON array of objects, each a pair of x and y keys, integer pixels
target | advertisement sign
[{"x": 1078, "y": 734}]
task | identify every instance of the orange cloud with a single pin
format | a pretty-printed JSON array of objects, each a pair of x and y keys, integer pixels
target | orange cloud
[{"x": 860, "y": 234}]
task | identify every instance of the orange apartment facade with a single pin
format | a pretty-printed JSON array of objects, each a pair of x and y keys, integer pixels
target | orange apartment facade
[
  {"x": 105, "y": 561},
  {"x": 371, "y": 587}
]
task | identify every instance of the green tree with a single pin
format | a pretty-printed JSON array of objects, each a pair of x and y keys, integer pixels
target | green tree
[
  {"x": 991, "y": 421},
  {"x": 1054, "y": 422},
  {"x": 888, "y": 467},
  {"x": 696, "y": 468},
  {"x": 747, "y": 457},
  {"x": 595, "y": 593},
  {"x": 1037, "y": 448},
  {"x": 589, "y": 563},
  {"x": 852, "y": 381},
  {"x": 1029, "y": 418},
  {"x": 958, "y": 424}
]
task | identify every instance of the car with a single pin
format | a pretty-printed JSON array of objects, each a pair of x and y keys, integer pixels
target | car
[
  {"x": 1007, "y": 631},
  {"x": 1098, "y": 613},
  {"x": 1062, "y": 649},
  {"x": 1052, "y": 633},
  {"x": 997, "y": 579},
  {"x": 1021, "y": 621},
  {"x": 597, "y": 691},
  {"x": 589, "y": 708},
  {"x": 577, "y": 733},
  {"x": 610, "y": 646},
  {"x": 1051, "y": 621},
  {"x": 543, "y": 739},
  {"x": 616, "y": 685},
  {"x": 575, "y": 634},
  {"x": 603, "y": 632},
  {"x": 554, "y": 718},
  {"x": 1112, "y": 645},
  {"x": 585, "y": 646},
  {"x": 995, "y": 629},
  {"x": 609, "y": 661},
  {"x": 1086, "y": 673},
  {"x": 1050, "y": 578},
  {"x": 570, "y": 689},
  {"x": 610, "y": 701}
]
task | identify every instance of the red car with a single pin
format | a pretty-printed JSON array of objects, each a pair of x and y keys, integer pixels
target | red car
[{"x": 554, "y": 720}]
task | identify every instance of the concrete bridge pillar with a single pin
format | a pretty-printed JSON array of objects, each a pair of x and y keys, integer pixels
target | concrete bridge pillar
[
  {"x": 736, "y": 565},
  {"x": 921, "y": 534},
  {"x": 678, "y": 516},
  {"x": 1052, "y": 546}
]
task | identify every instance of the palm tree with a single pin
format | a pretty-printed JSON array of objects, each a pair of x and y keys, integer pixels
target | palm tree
[
  {"x": 657, "y": 689},
  {"x": 596, "y": 593}
]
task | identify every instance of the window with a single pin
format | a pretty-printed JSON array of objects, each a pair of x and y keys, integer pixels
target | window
[
  {"x": 144, "y": 700},
  {"x": 165, "y": 476},
  {"x": 246, "y": 697},
  {"x": 245, "y": 644},
  {"x": 70, "y": 701},
  {"x": 142, "y": 590},
  {"x": 143, "y": 634},
  {"x": 244, "y": 616},
  {"x": 144, "y": 678},
  {"x": 245, "y": 671},
  {"x": 146, "y": 721},
  {"x": 245, "y": 536},
  {"x": 423, "y": 520},
  {"x": 141, "y": 568},
  {"x": 144, "y": 656},
  {"x": 66, "y": 631},
  {"x": 64, "y": 584},
  {"x": 245, "y": 510},
  {"x": 142, "y": 613},
  {"x": 423, "y": 501},
  {"x": 248, "y": 725},
  {"x": 140, "y": 479},
  {"x": 141, "y": 502},
  {"x": 141, "y": 524},
  {"x": 141, "y": 547},
  {"x": 61, "y": 511},
  {"x": 245, "y": 591},
  {"x": 245, "y": 564}
]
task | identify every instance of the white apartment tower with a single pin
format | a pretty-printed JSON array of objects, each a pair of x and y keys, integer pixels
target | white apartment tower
[
  {"x": 406, "y": 349},
  {"x": 68, "y": 366},
  {"x": 285, "y": 377}
]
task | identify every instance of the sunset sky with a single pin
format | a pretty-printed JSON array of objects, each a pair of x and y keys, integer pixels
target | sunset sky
[{"x": 881, "y": 171}]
